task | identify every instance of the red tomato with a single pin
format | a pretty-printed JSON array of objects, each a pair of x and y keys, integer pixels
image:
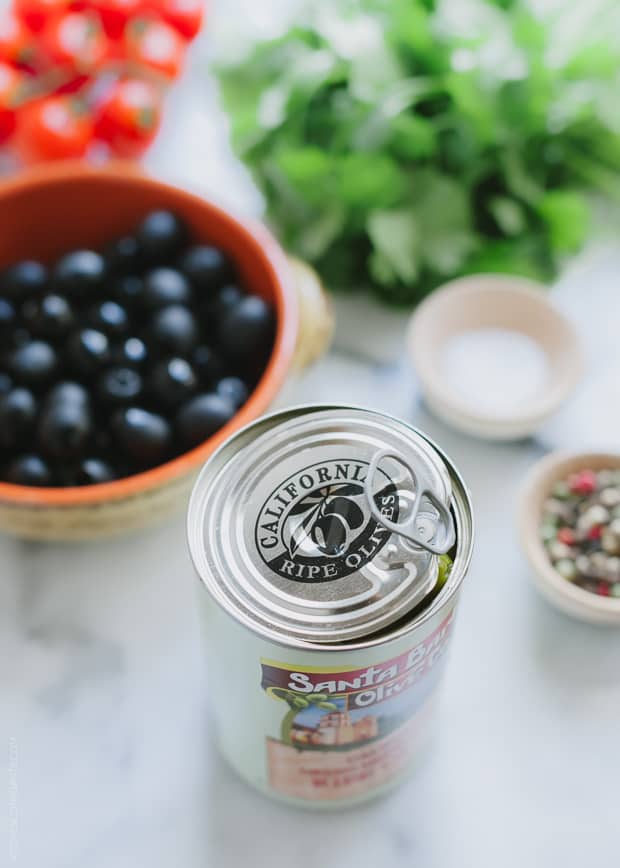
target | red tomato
[
  {"x": 71, "y": 85},
  {"x": 16, "y": 42},
  {"x": 155, "y": 45},
  {"x": 13, "y": 86},
  {"x": 130, "y": 116},
  {"x": 53, "y": 128},
  {"x": 36, "y": 13},
  {"x": 116, "y": 13},
  {"x": 76, "y": 40},
  {"x": 184, "y": 15}
]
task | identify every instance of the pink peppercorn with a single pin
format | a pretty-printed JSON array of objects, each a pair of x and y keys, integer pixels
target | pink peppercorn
[
  {"x": 583, "y": 483},
  {"x": 566, "y": 535},
  {"x": 603, "y": 589},
  {"x": 595, "y": 532}
]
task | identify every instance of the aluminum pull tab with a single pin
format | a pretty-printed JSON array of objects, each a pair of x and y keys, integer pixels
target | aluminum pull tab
[{"x": 407, "y": 529}]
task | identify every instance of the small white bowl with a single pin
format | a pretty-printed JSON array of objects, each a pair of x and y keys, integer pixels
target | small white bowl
[
  {"x": 536, "y": 488},
  {"x": 493, "y": 301}
]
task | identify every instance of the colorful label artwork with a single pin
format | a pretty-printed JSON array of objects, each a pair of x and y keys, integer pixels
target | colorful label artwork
[{"x": 346, "y": 733}]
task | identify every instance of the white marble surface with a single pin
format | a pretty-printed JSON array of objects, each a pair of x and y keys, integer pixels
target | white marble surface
[
  {"x": 103, "y": 686},
  {"x": 104, "y": 692}
]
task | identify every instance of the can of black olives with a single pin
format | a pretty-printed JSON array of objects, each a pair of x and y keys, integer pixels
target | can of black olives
[{"x": 331, "y": 543}]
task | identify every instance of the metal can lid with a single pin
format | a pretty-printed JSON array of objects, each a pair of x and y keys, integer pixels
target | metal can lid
[{"x": 321, "y": 524}]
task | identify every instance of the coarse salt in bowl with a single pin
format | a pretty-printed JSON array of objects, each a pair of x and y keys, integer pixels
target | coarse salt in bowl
[{"x": 494, "y": 357}]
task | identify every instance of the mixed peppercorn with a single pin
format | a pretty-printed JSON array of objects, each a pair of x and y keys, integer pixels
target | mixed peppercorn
[
  {"x": 581, "y": 530},
  {"x": 114, "y": 362}
]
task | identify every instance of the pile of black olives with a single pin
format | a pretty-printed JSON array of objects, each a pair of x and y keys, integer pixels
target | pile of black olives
[{"x": 114, "y": 362}]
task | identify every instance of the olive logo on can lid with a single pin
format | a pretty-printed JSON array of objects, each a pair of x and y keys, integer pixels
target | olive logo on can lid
[{"x": 317, "y": 526}]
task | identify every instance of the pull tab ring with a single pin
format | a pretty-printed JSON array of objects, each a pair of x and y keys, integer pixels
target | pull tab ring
[{"x": 406, "y": 529}]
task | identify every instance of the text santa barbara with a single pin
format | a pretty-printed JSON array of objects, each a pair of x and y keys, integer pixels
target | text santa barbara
[{"x": 370, "y": 685}]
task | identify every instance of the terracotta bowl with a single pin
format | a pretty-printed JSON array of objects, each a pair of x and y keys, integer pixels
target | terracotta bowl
[{"x": 46, "y": 212}]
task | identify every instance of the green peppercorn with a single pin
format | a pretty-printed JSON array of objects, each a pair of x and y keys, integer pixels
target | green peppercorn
[{"x": 561, "y": 490}]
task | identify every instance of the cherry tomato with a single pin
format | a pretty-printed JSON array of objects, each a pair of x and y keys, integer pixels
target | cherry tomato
[
  {"x": 73, "y": 84},
  {"x": 116, "y": 13},
  {"x": 13, "y": 86},
  {"x": 184, "y": 15},
  {"x": 130, "y": 116},
  {"x": 53, "y": 128},
  {"x": 16, "y": 42},
  {"x": 36, "y": 13},
  {"x": 155, "y": 45},
  {"x": 76, "y": 40}
]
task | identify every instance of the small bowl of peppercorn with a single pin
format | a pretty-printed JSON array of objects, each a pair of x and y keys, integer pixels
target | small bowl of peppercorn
[
  {"x": 140, "y": 325},
  {"x": 569, "y": 516}
]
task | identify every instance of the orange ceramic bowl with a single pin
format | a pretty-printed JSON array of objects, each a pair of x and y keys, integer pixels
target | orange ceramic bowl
[{"x": 48, "y": 211}]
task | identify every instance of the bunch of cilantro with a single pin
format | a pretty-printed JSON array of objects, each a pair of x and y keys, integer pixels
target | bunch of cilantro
[{"x": 397, "y": 147}]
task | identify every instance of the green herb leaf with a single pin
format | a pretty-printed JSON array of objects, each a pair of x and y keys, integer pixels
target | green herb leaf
[
  {"x": 319, "y": 233},
  {"x": 412, "y": 137},
  {"x": 508, "y": 214},
  {"x": 566, "y": 217},
  {"x": 443, "y": 214},
  {"x": 368, "y": 181},
  {"x": 395, "y": 149},
  {"x": 395, "y": 239}
]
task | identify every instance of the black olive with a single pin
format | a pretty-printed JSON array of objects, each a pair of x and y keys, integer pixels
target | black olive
[
  {"x": 67, "y": 392},
  {"x": 109, "y": 317},
  {"x": 8, "y": 318},
  {"x": 128, "y": 290},
  {"x": 132, "y": 353},
  {"x": 174, "y": 330},
  {"x": 64, "y": 429},
  {"x": 201, "y": 417},
  {"x": 87, "y": 352},
  {"x": 206, "y": 267},
  {"x": 234, "y": 389},
  {"x": 34, "y": 363},
  {"x": 24, "y": 280},
  {"x": 122, "y": 256},
  {"x": 79, "y": 275},
  {"x": 6, "y": 383},
  {"x": 28, "y": 470},
  {"x": 49, "y": 317},
  {"x": 172, "y": 382},
  {"x": 207, "y": 364},
  {"x": 161, "y": 236},
  {"x": 119, "y": 386},
  {"x": 164, "y": 286},
  {"x": 247, "y": 327},
  {"x": 93, "y": 471},
  {"x": 18, "y": 412},
  {"x": 142, "y": 435}
]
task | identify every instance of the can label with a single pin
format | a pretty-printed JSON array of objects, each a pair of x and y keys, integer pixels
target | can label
[{"x": 346, "y": 732}]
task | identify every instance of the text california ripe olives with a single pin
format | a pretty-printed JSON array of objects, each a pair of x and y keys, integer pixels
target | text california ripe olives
[{"x": 142, "y": 339}]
